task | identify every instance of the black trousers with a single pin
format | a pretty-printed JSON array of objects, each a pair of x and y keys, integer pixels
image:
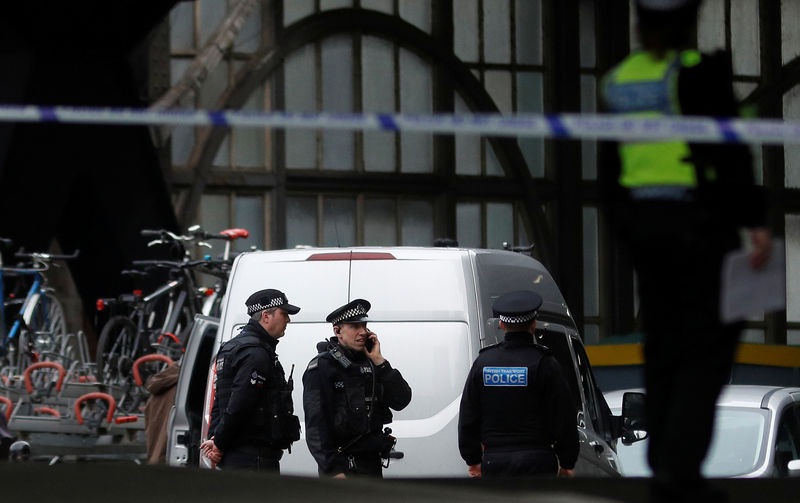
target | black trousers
[
  {"x": 677, "y": 252},
  {"x": 531, "y": 463},
  {"x": 253, "y": 459}
]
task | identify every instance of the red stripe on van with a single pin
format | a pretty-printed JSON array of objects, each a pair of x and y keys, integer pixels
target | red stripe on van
[{"x": 352, "y": 256}]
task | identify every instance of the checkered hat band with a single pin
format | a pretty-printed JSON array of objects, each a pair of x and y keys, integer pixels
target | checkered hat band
[
  {"x": 277, "y": 301},
  {"x": 353, "y": 311},
  {"x": 519, "y": 319}
]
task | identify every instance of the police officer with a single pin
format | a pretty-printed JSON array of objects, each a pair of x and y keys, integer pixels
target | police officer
[
  {"x": 678, "y": 207},
  {"x": 516, "y": 416},
  {"x": 348, "y": 389},
  {"x": 252, "y": 418}
]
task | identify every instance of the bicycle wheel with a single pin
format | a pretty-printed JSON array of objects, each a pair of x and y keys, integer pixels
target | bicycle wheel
[{"x": 117, "y": 348}]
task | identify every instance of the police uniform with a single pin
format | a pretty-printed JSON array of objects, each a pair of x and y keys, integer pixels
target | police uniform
[
  {"x": 678, "y": 207},
  {"x": 347, "y": 400},
  {"x": 252, "y": 418},
  {"x": 516, "y": 416}
]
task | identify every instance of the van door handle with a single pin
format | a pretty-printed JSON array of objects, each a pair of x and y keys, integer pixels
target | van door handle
[
  {"x": 598, "y": 447},
  {"x": 396, "y": 455}
]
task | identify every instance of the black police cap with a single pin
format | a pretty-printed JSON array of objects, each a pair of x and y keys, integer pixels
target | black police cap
[
  {"x": 518, "y": 307},
  {"x": 267, "y": 299},
  {"x": 352, "y": 312}
]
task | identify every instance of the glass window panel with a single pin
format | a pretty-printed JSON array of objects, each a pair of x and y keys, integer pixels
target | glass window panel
[
  {"x": 378, "y": 95},
  {"x": 249, "y": 37},
  {"x": 417, "y": 13},
  {"x": 296, "y": 9},
  {"x": 213, "y": 87},
  {"x": 468, "y": 225},
  {"x": 522, "y": 232},
  {"x": 591, "y": 269},
  {"x": 182, "y": 141},
  {"x": 790, "y": 32},
  {"x": 334, "y": 4},
  {"x": 215, "y": 212},
  {"x": 177, "y": 67},
  {"x": 249, "y": 142},
  {"x": 591, "y": 334},
  {"x": 416, "y": 96},
  {"x": 745, "y": 41},
  {"x": 380, "y": 224},
  {"x": 634, "y": 35},
  {"x": 498, "y": 84},
  {"x": 250, "y": 215},
  {"x": 711, "y": 26},
  {"x": 588, "y": 147},
  {"x": 416, "y": 223},
  {"x": 793, "y": 337},
  {"x": 301, "y": 221},
  {"x": 222, "y": 157},
  {"x": 337, "y": 96},
  {"x": 792, "y": 267},
  {"x": 499, "y": 224},
  {"x": 529, "y": 32},
  {"x": 752, "y": 336},
  {"x": 181, "y": 27},
  {"x": 339, "y": 222},
  {"x": 386, "y": 6},
  {"x": 465, "y": 30},
  {"x": 468, "y": 146},
  {"x": 791, "y": 152},
  {"x": 493, "y": 166},
  {"x": 210, "y": 14},
  {"x": 301, "y": 145},
  {"x": 496, "y": 31},
  {"x": 587, "y": 34},
  {"x": 530, "y": 100}
]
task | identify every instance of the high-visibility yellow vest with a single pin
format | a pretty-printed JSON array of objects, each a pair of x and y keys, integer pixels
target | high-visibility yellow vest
[{"x": 644, "y": 86}]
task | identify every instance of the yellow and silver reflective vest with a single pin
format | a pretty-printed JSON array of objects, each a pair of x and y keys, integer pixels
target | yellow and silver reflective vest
[{"x": 644, "y": 86}]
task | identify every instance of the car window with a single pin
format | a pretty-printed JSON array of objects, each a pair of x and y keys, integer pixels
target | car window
[
  {"x": 556, "y": 340},
  {"x": 592, "y": 410},
  {"x": 787, "y": 442}
]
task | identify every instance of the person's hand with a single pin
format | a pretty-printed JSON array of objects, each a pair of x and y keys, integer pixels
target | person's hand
[
  {"x": 475, "y": 471},
  {"x": 211, "y": 451},
  {"x": 762, "y": 247},
  {"x": 374, "y": 355},
  {"x": 565, "y": 473},
  {"x": 340, "y": 476}
]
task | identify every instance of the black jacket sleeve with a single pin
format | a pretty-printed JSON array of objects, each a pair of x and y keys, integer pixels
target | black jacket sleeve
[
  {"x": 253, "y": 369},
  {"x": 317, "y": 405},
  {"x": 469, "y": 419},
  {"x": 560, "y": 412},
  {"x": 396, "y": 391}
]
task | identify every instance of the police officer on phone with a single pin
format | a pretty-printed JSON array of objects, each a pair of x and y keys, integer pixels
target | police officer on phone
[
  {"x": 348, "y": 389},
  {"x": 253, "y": 419},
  {"x": 516, "y": 416}
]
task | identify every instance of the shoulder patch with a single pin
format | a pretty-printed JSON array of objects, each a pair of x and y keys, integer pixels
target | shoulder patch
[{"x": 314, "y": 363}]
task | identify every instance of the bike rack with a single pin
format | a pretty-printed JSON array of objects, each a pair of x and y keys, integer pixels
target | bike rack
[
  {"x": 112, "y": 404},
  {"x": 47, "y": 410},
  {"x": 137, "y": 377},
  {"x": 53, "y": 365},
  {"x": 9, "y": 406}
]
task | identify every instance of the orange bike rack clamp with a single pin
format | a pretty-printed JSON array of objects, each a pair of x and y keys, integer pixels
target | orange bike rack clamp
[
  {"x": 112, "y": 405},
  {"x": 9, "y": 406},
  {"x": 47, "y": 410},
  {"x": 41, "y": 365},
  {"x": 147, "y": 358}
]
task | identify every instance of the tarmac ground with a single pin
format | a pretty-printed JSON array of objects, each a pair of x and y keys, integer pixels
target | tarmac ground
[{"x": 128, "y": 482}]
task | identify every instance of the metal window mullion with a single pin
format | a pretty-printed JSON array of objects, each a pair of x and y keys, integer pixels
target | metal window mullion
[
  {"x": 358, "y": 105},
  {"x": 318, "y": 92}
]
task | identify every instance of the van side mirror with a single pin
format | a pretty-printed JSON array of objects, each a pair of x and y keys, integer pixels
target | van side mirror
[
  {"x": 794, "y": 468},
  {"x": 634, "y": 422}
]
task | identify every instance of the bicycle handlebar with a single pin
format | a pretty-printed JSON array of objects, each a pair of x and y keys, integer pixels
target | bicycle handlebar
[
  {"x": 169, "y": 263},
  {"x": 46, "y": 257}
]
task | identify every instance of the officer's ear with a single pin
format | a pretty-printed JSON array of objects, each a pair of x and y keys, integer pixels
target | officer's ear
[{"x": 337, "y": 329}]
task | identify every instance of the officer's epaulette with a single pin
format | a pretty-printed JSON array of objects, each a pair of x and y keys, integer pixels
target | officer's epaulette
[
  {"x": 314, "y": 363},
  {"x": 489, "y": 347}
]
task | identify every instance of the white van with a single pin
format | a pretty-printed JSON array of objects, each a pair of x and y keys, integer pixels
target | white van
[{"x": 431, "y": 308}]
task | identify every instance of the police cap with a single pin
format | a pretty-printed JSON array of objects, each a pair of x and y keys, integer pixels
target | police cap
[
  {"x": 352, "y": 312},
  {"x": 518, "y": 307},
  {"x": 267, "y": 299}
]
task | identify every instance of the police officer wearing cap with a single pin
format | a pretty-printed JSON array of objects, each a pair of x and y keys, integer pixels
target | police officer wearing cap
[
  {"x": 677, "y": 208},
  {"x": 516, "y": 416},
  {"x": 252, "y": 419},
  {"x": 348, "y": 391}
]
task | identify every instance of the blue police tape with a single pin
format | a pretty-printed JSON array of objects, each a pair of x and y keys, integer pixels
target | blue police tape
[{"x": 571, "y": 126}]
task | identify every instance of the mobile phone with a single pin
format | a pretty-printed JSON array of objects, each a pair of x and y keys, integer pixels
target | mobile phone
[{"x": 369, "y": 343}]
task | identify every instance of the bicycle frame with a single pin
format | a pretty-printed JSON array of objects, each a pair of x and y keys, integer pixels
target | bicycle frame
[{"x": 26, "y": 310}]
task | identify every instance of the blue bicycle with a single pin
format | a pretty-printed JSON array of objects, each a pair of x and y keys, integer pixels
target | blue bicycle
[{"x": 33, "y": 321}]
